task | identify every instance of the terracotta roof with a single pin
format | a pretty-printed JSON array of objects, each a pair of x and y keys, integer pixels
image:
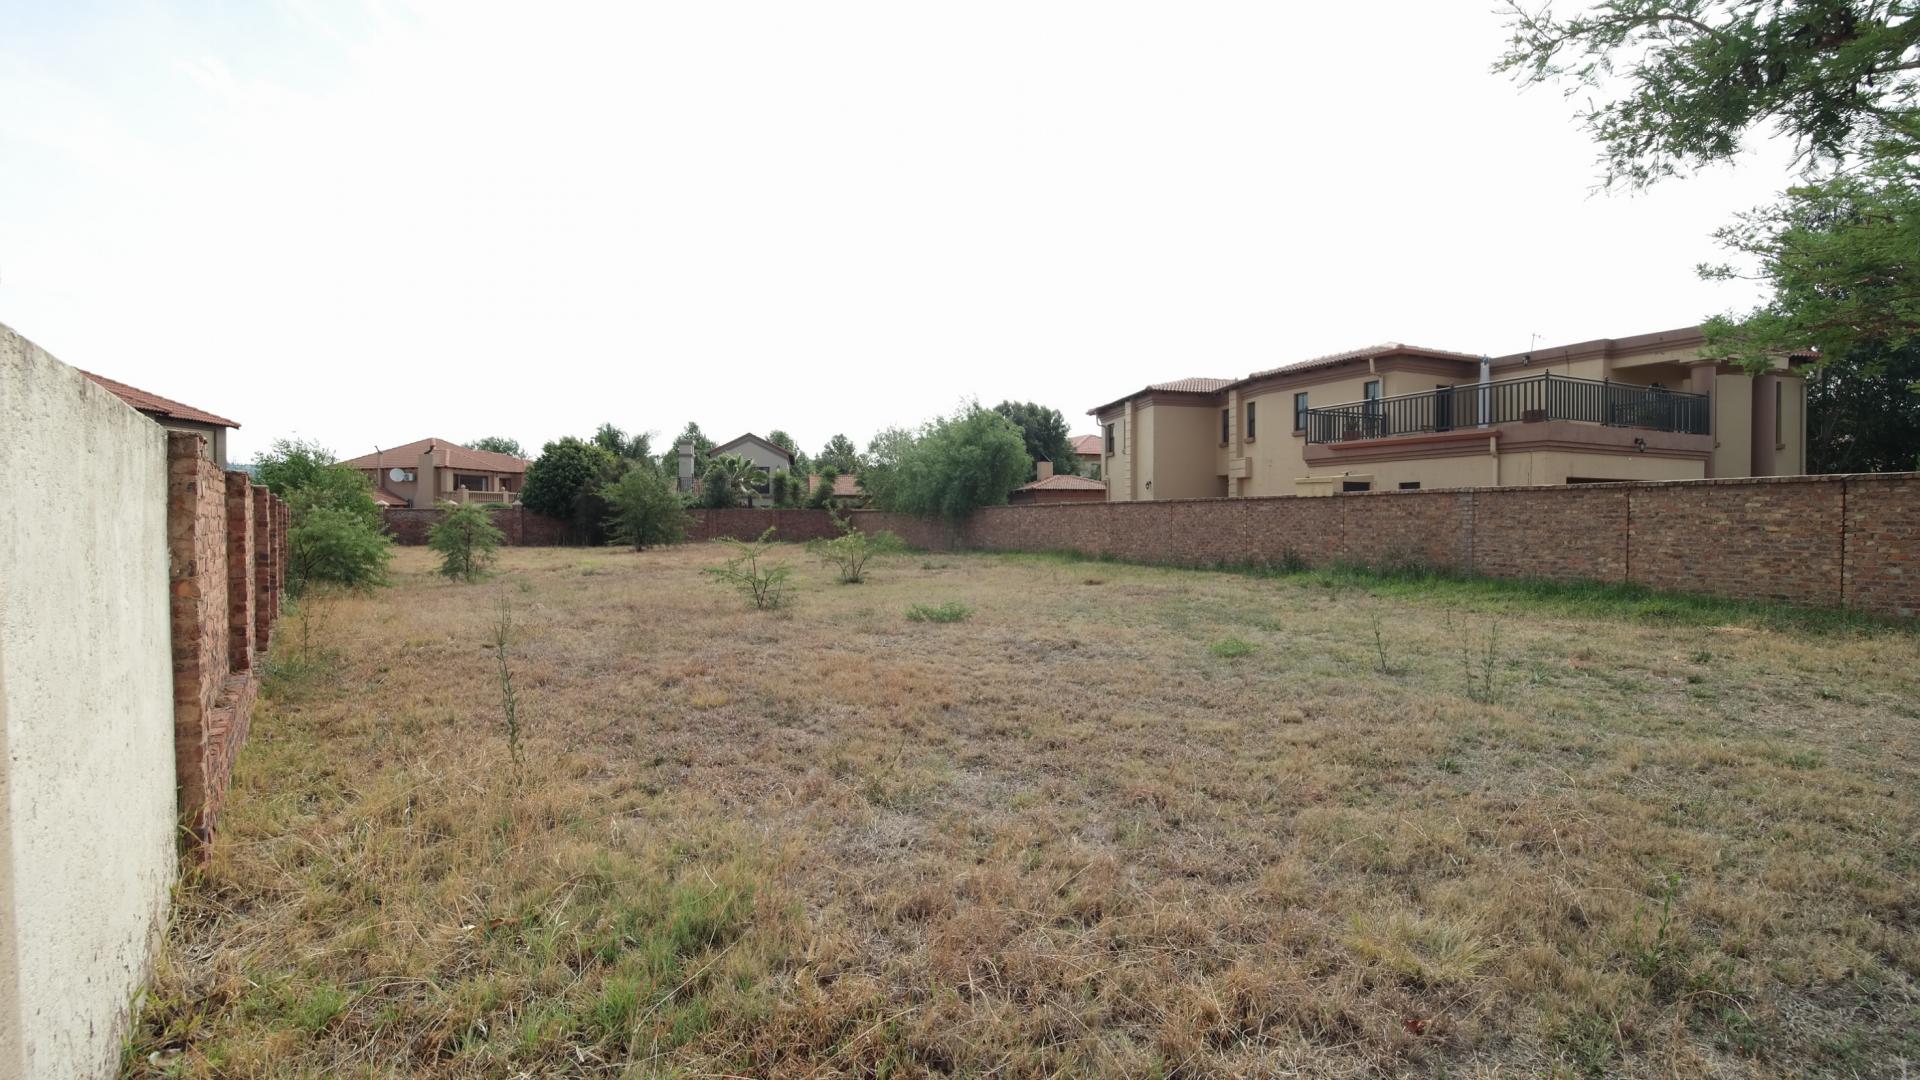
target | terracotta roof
[
  {"x": 148, "y": 402},
  {"x": 383, "y": 497},
  {"x": 1178, "y": 386},
  {"x": 843, "y": 486},
  {"x": 1064, "y": 482},
  {"x": 1087, "y": 445},
  {"x": 1371, "y": 352},
  {"x": 457, "y": 457}
]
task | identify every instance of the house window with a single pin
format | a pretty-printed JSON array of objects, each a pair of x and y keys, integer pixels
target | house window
[
  {"x": 1249, "y": 421},
  {"x": 1226, "y": 420},
  {"x": 1373, "y": 390},
  {"x": 470, "y": 481},
  {"x": 1110, "y": 440},
  {"x": 1409, "y": 485},
  {"x": 1300, "y": 411},
  {"x": 1356, "y": 485}
]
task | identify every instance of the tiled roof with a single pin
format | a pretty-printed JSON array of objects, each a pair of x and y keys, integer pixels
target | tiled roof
[
  {"x": 727, "y": 446},
  {"x": 845, "y": 486},
  {"x": 1064, "y": 482},
  {"x": 457, "y": 457},
  {"x": 148, "y": 402},
  {"x": 383, "y": 497},
  {"x": 1190, "y": 386},
  {"x": 1087, "y": 445},
  {"x": 1371, "y": 352}
]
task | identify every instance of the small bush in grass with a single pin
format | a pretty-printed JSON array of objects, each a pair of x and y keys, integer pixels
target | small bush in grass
[
  {"x": 466, "y": 539},
  {"x": 646, "y": 512},
  {"x": 850, "y": 551},
  {"x": 764, "y": 584},
  {"x": 1231, "y": 648},
  {"x": 950, "y": 612}
]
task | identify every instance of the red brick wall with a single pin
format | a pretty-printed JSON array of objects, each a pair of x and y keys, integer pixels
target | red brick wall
[
  {"x": 226, "y": 543},
  {"x": 740, "y": 523},
  {"x": 1819, "y": 540},
  {"x": 523, "y": 527},
  {"x": 1882, "y": 568}
]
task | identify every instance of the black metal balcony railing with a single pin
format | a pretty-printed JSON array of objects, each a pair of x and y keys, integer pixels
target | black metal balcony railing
[{"x": 1537, "y": 397}]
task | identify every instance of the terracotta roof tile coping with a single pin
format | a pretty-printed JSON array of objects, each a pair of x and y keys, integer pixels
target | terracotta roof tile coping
[
  {"x": 1064, "y": 482},
  {"x": 149, "y": 402}
]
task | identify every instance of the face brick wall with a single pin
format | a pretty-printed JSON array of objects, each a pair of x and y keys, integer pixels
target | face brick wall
[
  {"x": 740, "y": 523},
  {"x": 523, "y": 527},
  {"x": 1849, "y": 541},
  {"x": 226, "y": 540}
]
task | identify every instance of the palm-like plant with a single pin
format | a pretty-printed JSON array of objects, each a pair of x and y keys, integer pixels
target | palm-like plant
[{"x": 729, "y": 479}]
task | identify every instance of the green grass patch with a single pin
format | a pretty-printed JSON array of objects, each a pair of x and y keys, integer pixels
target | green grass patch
[
  {"x": 1231, "y": 648},
  {"x": 950, "y": 612}
]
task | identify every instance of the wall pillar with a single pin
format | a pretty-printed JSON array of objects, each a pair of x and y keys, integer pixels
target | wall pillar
[
  {"x": 1766, "y": 435},
  {"x": 242, "y": 586},
  {"x": 1700, "y": 380}
]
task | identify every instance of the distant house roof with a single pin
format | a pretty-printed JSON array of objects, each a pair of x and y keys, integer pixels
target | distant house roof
[
  {"x": 383, "y": 497},
  {"x": 155, "y": 405},
  {"x": 1178, "y": 386},
  {"x": 1370, "y": 352},
  {"x": 750, "y": 437},
  {"x": 1063, "y": 482},
  {"x": 1087, "y": 445},
  {"x": 457, "y": 457},
  {"x": 843, "y": 486}
]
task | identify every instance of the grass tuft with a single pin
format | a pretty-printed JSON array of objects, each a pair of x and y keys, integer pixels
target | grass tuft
[{"x": 952, "y": 611}]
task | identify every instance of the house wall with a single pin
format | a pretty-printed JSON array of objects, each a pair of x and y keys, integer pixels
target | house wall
[
  {"x": 86, "y": 700},
  {"x": 1845, "y": 541},
  {"x": 1180, "y": 444},
  {"x": 137, "y": 577}
]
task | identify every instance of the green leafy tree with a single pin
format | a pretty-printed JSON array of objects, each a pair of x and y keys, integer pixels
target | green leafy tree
[
  {"x": 802, "y": 465},
  {"x": 335, "y": 535},
  {"x": 822, "y": 495},
  {"x": 839, "y": 453},
  {"x": 498, "y": 444},
  {"x": 1864, "y": 412},
  {"x": 786, "y": 490},
  {"x": 702, "y": 446},
  {"x": 637, "y": 447},
  {"x": 729, "y": 480},
  {"x": 565, "y": 480},
  {"x": 959, "y": 464},
  {"x": 466, "y": 538},
  {"x": 644, "y": 510},
  {"x": 880, "y": 469},
  {"x": 1045, "y": 433},
  {"x": 1675, "y": 85}
]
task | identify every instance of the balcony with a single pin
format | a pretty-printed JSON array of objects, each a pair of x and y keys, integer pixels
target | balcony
[{"x": 1513, "y": 401}]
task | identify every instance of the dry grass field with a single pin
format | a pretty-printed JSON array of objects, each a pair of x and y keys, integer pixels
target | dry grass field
[{"x": 1108, "y": 821}]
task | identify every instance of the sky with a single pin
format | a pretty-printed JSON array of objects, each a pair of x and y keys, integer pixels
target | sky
[{"x": 366, "y": 223}]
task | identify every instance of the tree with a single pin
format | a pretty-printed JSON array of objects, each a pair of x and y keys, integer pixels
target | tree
[
  {"x": 840, "y": 454},
  {"x": 822, "y": 495},
  {"x": 498, "y": 444},
  {"x": 1045, "y": 432},
  {"x": 335, "y": 534},
  {"x": 801, "y": 465},
  {"x": 1677, "y": 85},
  {"x": 957, "y": 465},
  {"x": 565, "y": 480},
  {"x": 1863, "y": 412},
  {"x": 880, "y": 469},
  {"x": 729, "y": 479},
  {"x": 466, "y": 538},
  {"x": 702, "y": 446},
  {"x": 638, "y": 447},
  {"x": 785, "y": 489},
  {"x": 645, "y": 510},
  {"x": 765, "y": 584},
  {"x": 853, "y": 548}
]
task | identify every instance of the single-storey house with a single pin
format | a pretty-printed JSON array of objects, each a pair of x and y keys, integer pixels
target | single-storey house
[{"x": 1052, "y": 487}]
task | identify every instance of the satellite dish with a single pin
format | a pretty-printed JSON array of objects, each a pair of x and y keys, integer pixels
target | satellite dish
[{"x": 397, "y": 475}]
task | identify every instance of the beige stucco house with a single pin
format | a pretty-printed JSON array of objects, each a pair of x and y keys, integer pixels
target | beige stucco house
[
  {"x": 1399, "y": 416},
  {"x": 427, "y": 472}
]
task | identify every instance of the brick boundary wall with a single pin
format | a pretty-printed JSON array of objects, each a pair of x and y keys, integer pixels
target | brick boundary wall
[
  {"x": 523, "y": 527},
  {"x": 1836, "y": 541},
  {"x": 226, "y": 541}
]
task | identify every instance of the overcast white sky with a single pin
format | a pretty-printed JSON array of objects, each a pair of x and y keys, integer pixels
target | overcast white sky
[{"x": 368, "y": 223}]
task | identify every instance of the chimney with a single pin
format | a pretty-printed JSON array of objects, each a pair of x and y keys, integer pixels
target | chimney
[
  {"x": 1042, "y": 469},
  {"x": 685, "y": 450}
]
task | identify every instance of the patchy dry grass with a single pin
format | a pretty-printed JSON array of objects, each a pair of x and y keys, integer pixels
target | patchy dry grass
[{"x": 1441, "y": 832}]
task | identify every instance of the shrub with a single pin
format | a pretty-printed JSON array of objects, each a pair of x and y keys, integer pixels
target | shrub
[
  {"x": 957, "y": 465},
  {"x": 729, "y": 479},
  {"x": 645, "y": 511},
  {"x": 334, "y": 536},
  {"x": 336, "y": 546},
  {"x": 849, "y": 552},
  {"x": 466, "y": 538},
  {"x": 765, "y": 585},
  {"x": 950, "y": 612},
  {"x": 821, "y": 497}
]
